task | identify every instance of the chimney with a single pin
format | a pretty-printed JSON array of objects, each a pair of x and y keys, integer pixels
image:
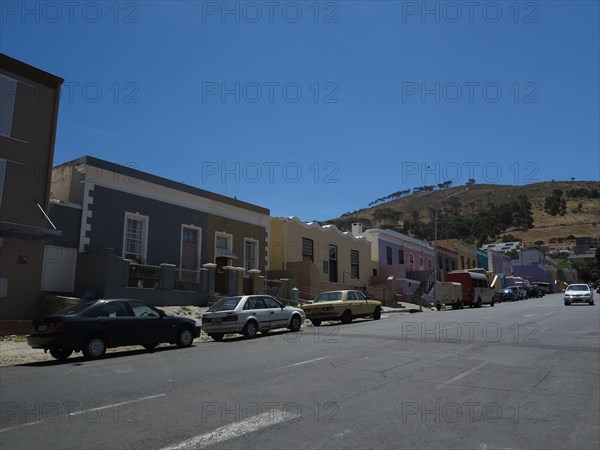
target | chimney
[{"x": 357, "y": 229}]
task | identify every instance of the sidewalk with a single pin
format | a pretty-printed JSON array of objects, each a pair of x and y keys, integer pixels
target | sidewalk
[{"x": 14, "y": 349}]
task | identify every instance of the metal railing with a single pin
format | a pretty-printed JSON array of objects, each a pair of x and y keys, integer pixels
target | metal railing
[
  {"x": 187, "y": 280},
  {"x": 143, "y": 276},
  {"x": 272, "y": 287}
]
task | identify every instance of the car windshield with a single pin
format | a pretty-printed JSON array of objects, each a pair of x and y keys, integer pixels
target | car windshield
[
  {"x": 577, "y": 287},
  {"x": 328, "y": 297},
  {"x": 75, "y": 309},
  {"x": 226, "y": 304}
]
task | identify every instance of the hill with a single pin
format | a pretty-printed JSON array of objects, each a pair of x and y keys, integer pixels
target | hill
[{"x": 552, "y": 213}]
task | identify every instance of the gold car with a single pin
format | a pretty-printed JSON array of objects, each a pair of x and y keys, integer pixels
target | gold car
[{"x": 341, "y": 305}]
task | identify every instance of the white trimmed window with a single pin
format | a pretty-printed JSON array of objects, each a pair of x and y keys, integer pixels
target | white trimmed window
[
  {"x": 250, "y": 254},
  {"x": 223, "y": 245},
  {"x": 135, "y": 237}
]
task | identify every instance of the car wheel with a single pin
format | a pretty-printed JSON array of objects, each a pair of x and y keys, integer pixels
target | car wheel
[
  {"x": 295, "y": 323},
  {"x": 461, "y": 305},
  {"x": 61, "y": 353},
  {"x": 346, "y": 317},
  {"x": 217, "y": 337},
  {"x": 567, "y": 304},
  {"x": 377, "y": 313},
  {"x": 592, "y": 303},
  {"x": 492, "y": 304},
  {"x": 315, "y": 322},
  {"x": 94, "y": 347},
  {"x": 151, "y": 346},
  {"x": 185, "y": 337},
  {"x": 250, "y": 330},
  {"x": 439, "y": 307},
  {"x": 478, "y": 305}
]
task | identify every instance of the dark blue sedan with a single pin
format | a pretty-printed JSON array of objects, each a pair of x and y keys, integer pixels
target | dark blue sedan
[{"x": 93, "y": 326}]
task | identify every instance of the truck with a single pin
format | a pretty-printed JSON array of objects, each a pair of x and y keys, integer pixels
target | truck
[{"x": 448, "y": 293}]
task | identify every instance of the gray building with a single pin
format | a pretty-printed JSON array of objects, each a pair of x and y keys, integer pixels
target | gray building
[{"x": 153, "y": 221}]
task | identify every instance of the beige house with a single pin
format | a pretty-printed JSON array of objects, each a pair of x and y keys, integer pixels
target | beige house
[{"x": 318, "y": 258}]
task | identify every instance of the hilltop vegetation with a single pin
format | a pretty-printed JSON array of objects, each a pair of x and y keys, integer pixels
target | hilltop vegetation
[{"x": 551, "y": 213}]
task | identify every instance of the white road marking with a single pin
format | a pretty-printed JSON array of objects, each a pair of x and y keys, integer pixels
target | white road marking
[
  {"x": 235, "y": 430},
  {"x": 296, "y": 364},
  {"x": 462, "y": 375},
  {"x": 527, "y": 316},
  {"x": 85, "y": 411},
  {"x": 486, "y": 317},
  {"x": 309, "y": 361}
]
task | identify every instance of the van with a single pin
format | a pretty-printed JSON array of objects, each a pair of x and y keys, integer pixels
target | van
[
  {"x": 448, "y": 293},
  {"x": 476, "y": 289}
]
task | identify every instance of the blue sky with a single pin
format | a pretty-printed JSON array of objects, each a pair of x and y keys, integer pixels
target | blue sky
[{"x": 313, "y": 108}]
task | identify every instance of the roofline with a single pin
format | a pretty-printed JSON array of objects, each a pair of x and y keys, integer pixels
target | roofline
[
  {"x": 155, "y": 179},
  {"x": 27, "y": 71}
]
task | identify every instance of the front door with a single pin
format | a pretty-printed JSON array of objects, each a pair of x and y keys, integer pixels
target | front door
[{"x": 190, "y": 246}]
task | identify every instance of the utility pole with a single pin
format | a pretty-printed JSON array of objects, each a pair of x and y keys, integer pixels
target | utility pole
[{"x": 435, "y": 230}]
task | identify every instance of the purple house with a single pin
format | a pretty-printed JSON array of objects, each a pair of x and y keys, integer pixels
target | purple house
[{"x": 408, "y": 260}]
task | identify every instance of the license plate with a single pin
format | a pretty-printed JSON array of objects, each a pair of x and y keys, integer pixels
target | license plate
[
  {"x": 216, "y": 320},
  {"x": 42, "y": 328}
]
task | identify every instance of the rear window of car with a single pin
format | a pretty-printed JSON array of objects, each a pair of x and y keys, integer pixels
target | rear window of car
[
  {"x": 328, "y": 297},
  {"x": 75, "y": 309},
  {"x": 226, "y": 304}
]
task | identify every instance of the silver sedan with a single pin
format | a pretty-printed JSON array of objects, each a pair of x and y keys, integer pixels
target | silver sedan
[{"x": 248, "y": 315}]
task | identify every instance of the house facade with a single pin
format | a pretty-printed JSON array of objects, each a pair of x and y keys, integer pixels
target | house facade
[
  {"x": 29, "y": 100},
  {"x": 318, "y": 258},
  {"x": 153, "y": 221},
  {"x": 466, "y": 253},
  {"x": 403, "y": 262},
  {"x": 532, "y": 265}
]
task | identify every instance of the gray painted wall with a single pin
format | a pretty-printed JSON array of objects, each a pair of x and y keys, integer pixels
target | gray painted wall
[
  {"x": 164, "y": 224},
  {"x": 68, "y": 220}
]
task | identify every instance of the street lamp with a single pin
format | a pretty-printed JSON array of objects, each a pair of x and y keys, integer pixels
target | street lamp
[{"x": 435, "y": 230}]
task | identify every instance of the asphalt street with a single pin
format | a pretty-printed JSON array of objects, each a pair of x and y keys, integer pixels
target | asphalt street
[{"x": 517, "y": 375}]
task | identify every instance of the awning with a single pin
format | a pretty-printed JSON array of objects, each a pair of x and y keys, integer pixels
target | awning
[
  {"x": 225, "y": 253},
  {"x": 19, "y": 230}
]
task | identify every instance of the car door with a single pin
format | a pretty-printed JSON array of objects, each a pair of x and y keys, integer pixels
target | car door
[
  {"x": 117, "y": 321},
  {"x": 152, "y": 326},
  {"x": 279, "y": 316},
  {"x": 256, "y": 307},
  {"x": 363, "y": 303}
]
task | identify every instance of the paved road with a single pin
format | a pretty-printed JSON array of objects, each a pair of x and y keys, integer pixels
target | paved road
[{"x": 518, "y": 375}]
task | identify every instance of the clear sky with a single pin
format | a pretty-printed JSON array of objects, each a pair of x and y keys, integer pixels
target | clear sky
[{"x": 313, "y": 108}]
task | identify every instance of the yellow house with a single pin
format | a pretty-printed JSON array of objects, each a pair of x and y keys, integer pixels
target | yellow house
[
  {"x": 467, "y": 253},
  {"x": 318, "y": 258}
]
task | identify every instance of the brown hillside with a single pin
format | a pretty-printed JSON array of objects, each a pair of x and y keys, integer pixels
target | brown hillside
[{"x": 578, "y": 221}]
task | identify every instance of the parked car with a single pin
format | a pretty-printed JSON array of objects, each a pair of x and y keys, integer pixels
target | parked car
[
  {"x": 341, "y": 305},
  {"x": 248, "y": 315},
  {"x": 511, "y": 293},
  {"x": 543, "y": 287},
  {"x": 93, "y": 326},
  {"x": 522, "y": 292},
  {"x": 532, "y": 291},
  {"x": 578, "y": 293}
]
